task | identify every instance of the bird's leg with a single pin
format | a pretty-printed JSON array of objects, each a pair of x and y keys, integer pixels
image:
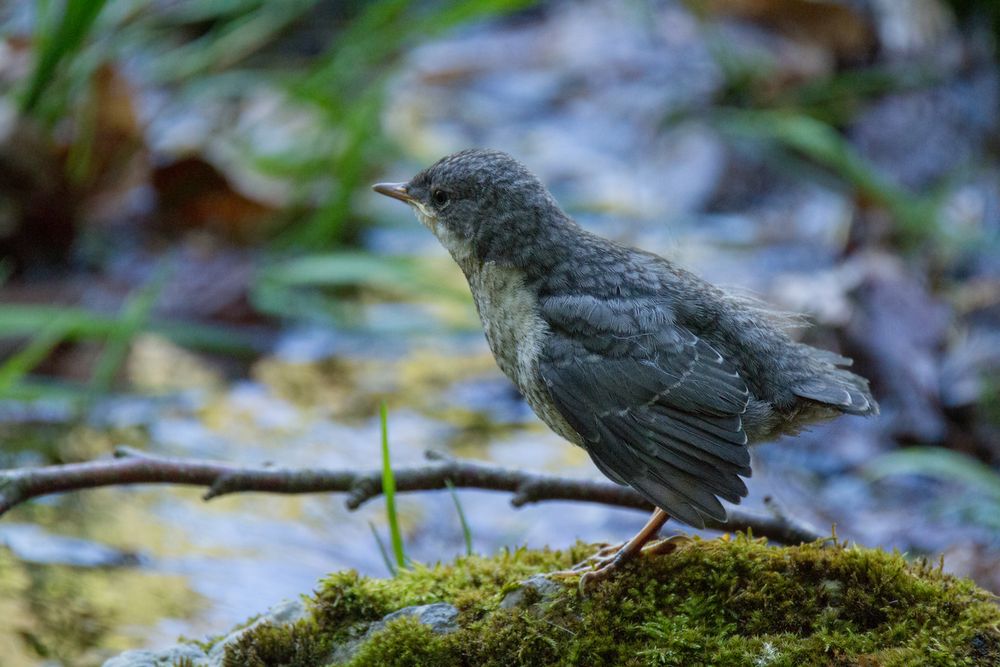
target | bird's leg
[
  {"x": 610, "y": 564},
  {"x": 609, "y": 559}
]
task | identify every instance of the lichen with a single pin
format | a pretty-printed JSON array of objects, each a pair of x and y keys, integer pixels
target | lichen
[{"x": 711, "y": 602}]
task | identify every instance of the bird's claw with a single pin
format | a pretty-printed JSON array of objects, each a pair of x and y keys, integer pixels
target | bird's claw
[
  {"x": 611, "y": 558},
  {"x": 599, "y": 559}
]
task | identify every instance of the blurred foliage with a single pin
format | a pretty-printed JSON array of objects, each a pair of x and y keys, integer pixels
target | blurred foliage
[
  {"x": 58, "y": 37},
  {"x": 210, "y": 49},
  {"x": 979, "y": 501},
  {"x": 342, "y": 87},
  {"x": 47, "y": 327},
  {"x": 804, "y": 116},
  {"x": 311, "y": 287},
  {"x": 134, "y": 317},
  {"x": 822, "y": 144},
  {"x": 345, "y": 85},
  {"x": 18, "y": 365},
  {"x": 980, "y": 12},
  {"x": 832, "y": 99}
]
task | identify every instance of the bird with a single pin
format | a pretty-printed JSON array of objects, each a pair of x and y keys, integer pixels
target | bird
[{"x": 662, "y": 377}]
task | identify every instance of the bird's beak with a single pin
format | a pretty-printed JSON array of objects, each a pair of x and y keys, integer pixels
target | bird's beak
[{"x": 394, "y": 190}]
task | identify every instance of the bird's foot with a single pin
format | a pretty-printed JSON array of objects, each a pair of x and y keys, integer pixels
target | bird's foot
[
  {"x": 599, "y": 558},
  {"x": 609, "y": 565},
  {"x": 611, "y": 558}
]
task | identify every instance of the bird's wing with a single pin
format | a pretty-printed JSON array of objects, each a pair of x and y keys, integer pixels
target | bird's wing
[{"x": 657, "y": 407}]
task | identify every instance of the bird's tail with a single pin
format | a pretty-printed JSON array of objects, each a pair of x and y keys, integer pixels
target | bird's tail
[{"x": 832, "y": 384}]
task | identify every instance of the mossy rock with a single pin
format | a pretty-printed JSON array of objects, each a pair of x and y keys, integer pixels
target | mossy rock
[{"x": 717, "y": 602}]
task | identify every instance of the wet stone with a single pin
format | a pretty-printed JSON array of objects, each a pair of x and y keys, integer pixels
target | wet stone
[
  {"x": 531, "y": 590},
  {"x": 166, "y": 658},
  {"x": 283, "y": 613},
  {"x": 34, "y": 544},
  {"x": 440, "y": 617}
]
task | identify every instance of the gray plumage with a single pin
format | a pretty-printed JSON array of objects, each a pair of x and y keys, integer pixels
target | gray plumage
[{"x": 663, "y": 378}]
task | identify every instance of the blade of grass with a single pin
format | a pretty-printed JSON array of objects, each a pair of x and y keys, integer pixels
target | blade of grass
[
  {"x": 466, "y": 531},
  {"x": 34, "y": 388},
  {"x": 916, "y": 216},
  {"x": 38, "y": 348},
  {"x": 75, "y": 23},
  {"x": 358, "y": 64},
  {"x": 18, "y": 320},
  {"x": 389, "y": 490},
  {"x": 395, "y": 275},
  {"x": 232, "y": 41},
  {"x": 381, "y": 549},
  {"x": 134, "y": 317},
  {"x": 940, "y": 463}
]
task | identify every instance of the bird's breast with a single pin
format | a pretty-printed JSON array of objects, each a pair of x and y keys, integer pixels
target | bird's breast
[
  {"x": 513, "y": 327},
  {"x": 516, "y": 334}
]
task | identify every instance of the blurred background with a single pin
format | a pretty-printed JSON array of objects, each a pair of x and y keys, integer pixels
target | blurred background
[{"x": 192, "y": 263}]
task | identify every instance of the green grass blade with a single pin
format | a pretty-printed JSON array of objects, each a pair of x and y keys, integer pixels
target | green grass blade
[
  {"x": 394, "y": 275},
  {"x": 358, "y": 65},
  {"x": 32, "y": 354},
  {"x": 22, "y": 320},
  {"x": 916, "y": 217},
  {"x": 389, "y": 490},
  {"x": 34, "y": 388},
  {"x": 941, "y": 464},
  {"x": 389, "y": 565},
  {"x": 466, "y": 530},
  {"x": 77, "y": 19},
  {"x": 234, "y": 39},
  {"x": 134, "y": 318}
]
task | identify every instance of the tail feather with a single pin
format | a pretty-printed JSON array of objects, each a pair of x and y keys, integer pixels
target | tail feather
[{"x": 837, "y": 387}]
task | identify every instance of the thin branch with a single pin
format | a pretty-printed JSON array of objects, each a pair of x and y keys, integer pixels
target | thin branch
[{"x": 132, "y": 467}]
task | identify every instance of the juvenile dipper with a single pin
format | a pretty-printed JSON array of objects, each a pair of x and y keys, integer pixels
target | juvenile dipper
[{"x": 662, "y": 377}]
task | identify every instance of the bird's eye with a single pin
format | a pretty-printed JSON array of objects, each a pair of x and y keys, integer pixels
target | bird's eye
[{"x": 439, "y": 197}]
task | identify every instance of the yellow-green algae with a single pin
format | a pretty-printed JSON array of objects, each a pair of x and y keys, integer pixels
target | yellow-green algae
[
  {"x": 719, "y": 602},
  {"x": 75, "y": 616}
]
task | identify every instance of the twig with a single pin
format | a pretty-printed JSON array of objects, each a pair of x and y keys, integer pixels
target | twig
[{"x": 132, "y": 467}]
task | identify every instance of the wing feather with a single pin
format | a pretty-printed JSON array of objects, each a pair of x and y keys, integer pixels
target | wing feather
[{"x": 658, "y": 407}]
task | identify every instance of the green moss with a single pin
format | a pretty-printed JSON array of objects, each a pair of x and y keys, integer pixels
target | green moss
[
  {"x": 269, "y": 645},
  {"x": 719, "y": 602},
  {"x": 404, "y": 642}
]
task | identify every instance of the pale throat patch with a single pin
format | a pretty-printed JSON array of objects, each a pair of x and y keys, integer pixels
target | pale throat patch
[
  {"x": 460, "y": 248},
  {"x": 425, "y": 216}
]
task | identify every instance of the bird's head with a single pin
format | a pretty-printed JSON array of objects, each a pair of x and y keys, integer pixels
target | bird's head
[{"x": 481, "y": 204}]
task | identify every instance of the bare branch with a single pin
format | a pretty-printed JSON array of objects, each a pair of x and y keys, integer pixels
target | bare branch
[{"x": 132, "y": 467}]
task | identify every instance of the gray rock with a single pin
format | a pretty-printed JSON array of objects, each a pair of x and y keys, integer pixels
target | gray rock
[
  {"x": 34, "y": 544},
  {"x": 165, "y": 658},
  {"x": 286, "y": 611},
  {"x": 539, "y": 585},
  {"x": 440, "y": 617}
]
